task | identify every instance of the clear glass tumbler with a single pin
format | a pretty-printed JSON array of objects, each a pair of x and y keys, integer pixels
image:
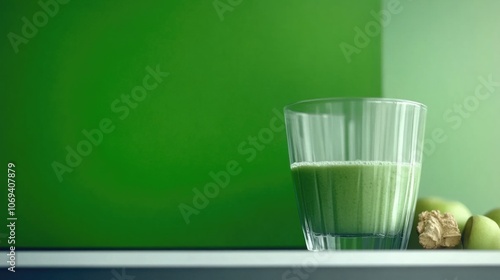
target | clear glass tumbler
[{"x": 355, "y": 164}]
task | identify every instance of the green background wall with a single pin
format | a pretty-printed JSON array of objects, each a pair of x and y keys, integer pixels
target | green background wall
[
  {"x": 437, "y": 52},
  {"x": 227, "y": 76}
]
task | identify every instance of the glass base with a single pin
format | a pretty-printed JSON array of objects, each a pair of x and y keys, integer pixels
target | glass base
[{"x": 321, "y": 242}]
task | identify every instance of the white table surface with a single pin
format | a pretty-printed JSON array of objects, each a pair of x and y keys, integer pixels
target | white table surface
[{"x": 250, "y": 258}]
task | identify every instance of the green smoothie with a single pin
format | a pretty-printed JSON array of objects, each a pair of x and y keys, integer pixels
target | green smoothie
[{"x": 355, "y": 198}]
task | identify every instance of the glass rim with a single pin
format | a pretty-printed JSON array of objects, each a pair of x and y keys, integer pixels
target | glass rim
[{"x": 357, "y": 99}]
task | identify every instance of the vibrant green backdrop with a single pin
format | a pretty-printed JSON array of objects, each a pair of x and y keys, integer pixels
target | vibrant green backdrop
[{"x": 230, "y": 68}]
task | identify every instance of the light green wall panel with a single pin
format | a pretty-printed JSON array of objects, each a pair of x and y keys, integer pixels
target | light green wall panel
[{"x": 441, "y": 53}]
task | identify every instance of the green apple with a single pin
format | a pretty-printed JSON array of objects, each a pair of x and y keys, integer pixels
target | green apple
[
  {"x": 494, "y": 215},
  {"x": 459, "y": 211},
  {"x": 481, "y": 232}
]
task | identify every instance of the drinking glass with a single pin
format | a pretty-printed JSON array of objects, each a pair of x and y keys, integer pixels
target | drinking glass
[{"x": 355, "y": 164}]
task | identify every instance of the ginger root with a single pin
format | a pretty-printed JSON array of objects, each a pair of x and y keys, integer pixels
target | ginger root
[{"x": 438, "y": 230}]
